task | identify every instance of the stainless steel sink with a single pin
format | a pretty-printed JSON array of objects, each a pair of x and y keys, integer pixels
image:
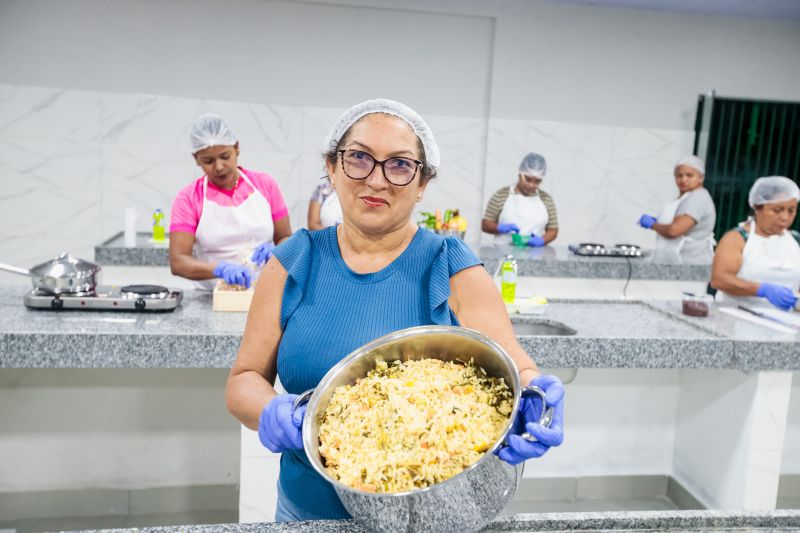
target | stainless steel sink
[{"x": 542, "y": 327}]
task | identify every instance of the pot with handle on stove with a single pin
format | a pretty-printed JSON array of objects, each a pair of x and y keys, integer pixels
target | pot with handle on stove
[{"x": 64, "y": 274}]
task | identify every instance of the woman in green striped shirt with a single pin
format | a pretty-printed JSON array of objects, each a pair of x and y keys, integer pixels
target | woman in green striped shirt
[{"x": 523, "y": 207}]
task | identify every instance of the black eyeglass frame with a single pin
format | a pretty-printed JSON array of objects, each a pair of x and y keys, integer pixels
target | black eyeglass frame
[{"x": 376, "y": 163}]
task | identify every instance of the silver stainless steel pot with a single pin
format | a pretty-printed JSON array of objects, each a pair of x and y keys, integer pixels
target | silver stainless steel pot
[
  {"x": 64, "y": 274},
  {"x": 465, "y": 502}
]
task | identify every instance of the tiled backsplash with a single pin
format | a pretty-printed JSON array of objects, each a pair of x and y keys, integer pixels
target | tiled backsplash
[{"x": 71, "y": 161}]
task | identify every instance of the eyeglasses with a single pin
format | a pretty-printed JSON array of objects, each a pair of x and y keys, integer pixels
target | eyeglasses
[{"x": 358, "y": 165}]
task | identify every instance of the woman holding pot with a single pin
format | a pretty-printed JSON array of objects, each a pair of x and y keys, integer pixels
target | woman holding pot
[
  {"x": 227, "y": 217},
  {"x": 685, "y": 226},
  {"x": 373, "y": 274},
  {"x": 761, "y": 258}
]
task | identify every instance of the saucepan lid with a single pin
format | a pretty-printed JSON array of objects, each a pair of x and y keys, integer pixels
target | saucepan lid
[{"x": 65, "y": 266}]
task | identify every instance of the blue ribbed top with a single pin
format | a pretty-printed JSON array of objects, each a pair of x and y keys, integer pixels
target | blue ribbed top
[{"x": 328, "y": 311}]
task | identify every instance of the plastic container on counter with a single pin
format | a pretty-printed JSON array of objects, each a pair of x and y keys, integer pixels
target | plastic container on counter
[{"x": 696, "y": 304}]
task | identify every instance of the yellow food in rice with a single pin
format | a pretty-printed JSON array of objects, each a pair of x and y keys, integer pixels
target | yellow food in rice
[{"x": 411, "y": 424}]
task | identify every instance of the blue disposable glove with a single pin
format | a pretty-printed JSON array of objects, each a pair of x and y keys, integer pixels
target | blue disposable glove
[
  {"x": 516, "y": 449},
  {"x": 536, "y": 241},
  {"x": 233, "y": 274},
  {"x": 646, "y": 221},
  {"x": 778, "y": 295},
  {"x": 279, "y": 427},
  {"x": 262, "y": 253},
  {"x": 507, "y": 228}
]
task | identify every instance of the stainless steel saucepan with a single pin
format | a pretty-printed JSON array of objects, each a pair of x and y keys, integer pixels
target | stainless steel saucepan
[
  {"x": 64, "y": 274},
  {"x": 467, "y": 501}
]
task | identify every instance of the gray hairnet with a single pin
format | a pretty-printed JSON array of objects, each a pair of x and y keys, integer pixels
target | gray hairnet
[
  {"x": 533, "y": 165},
  {"x": 211, "y": 130},
  {"x": 692, "y": 161},
  {"x": 382, "y": 105},
  {"x": 773, "y": 189}
]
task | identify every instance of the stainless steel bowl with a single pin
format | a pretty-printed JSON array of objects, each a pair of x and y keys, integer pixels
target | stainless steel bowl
[{"x": 465, "y": 502}]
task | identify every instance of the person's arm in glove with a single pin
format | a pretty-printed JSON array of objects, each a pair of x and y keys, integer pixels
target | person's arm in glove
[
  {"x": 507, "y": 228},
  {"x": 279, "y": 427},
  {"x": 262, "y": 253},
  {"x": 516, "y": 449},
  {"x": 233, "y": 274},
  {"x": 778, "y": 295},
  {"x": 536, "y": 241},
  {"x": 647, "y": 221}
]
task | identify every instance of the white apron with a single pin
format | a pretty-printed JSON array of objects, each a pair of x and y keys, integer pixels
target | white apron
[
  {"x": 774, "y": 259},
  {"x": 527, "y": 212},
  {"x": 230, "y": 233},
  {"x": 670, "y": 249},
  {"x": 330, "y": 212}
]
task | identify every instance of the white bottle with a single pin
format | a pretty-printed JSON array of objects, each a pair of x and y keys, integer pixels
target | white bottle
[{"x": 130, "y": 227}]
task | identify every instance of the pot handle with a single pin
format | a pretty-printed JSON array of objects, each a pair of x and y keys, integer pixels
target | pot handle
[
  {"x": 301, "y": 399},
  {"x": 547, "y": 412},
  {"x": 16, "y": 270}
]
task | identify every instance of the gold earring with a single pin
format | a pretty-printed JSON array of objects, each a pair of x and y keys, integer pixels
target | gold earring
[{"x": 419, "y": 197}]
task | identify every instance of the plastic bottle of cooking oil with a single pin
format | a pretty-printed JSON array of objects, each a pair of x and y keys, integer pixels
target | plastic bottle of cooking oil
[
  {"x": 158, "y": 226},
  {"x": 508, "y": 279}
]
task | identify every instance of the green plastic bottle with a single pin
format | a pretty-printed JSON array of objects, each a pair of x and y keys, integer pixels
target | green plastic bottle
[
  {"x": 159, "y": 233},
  {"x": 508, "y": 280}
]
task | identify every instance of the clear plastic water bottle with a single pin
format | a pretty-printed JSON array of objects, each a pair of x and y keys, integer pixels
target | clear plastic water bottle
[
  {"x": 159, "y": 232},
  {"x": 508, "y": 280}
]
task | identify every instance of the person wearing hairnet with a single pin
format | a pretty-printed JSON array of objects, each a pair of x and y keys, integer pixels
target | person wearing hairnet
[
  {"x": 373, "y": 274},
  {"x": 685, "y": 226},
  {"x": 226, "y": 218},
  {"x": 323, "y": 208},
  {"x": 523, "y": 207},
  {"x": 761, "y": 258}
]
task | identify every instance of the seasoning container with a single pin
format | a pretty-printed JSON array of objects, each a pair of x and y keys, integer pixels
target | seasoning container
[{"x": 696, "y": 304}]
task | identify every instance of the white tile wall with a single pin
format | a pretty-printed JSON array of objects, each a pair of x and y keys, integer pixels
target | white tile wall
[{"x": 71, "y": 161}]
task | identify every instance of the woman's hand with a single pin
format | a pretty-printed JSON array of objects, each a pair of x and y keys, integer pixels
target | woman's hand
[
  {"x": 647, "y": 221},
  {"x": 262, "y": 253},
  {"x": 779, "y": 296},
  {"x": 536, "y": 241},
  {"x": 517, "y": 449},
  {"x": 279, "y": 427},
  {"x": 507, "y": 228},
  {"x": 233, "y": 274}
]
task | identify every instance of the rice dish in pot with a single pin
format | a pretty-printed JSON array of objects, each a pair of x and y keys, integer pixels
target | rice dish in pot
[{"x": 409, "y": 425}]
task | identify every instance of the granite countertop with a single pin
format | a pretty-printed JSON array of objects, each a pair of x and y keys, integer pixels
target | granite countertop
[
  {"x": 548, "y": 261},
  {"x": 593, "y": 334},
  {"x": 146, "y": 253},
  {"x": 694, "y": 521},
  {"x": 559, "y": 262}
]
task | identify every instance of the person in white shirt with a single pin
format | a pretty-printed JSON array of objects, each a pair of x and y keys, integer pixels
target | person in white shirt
[{"x": 685, "y": 226}]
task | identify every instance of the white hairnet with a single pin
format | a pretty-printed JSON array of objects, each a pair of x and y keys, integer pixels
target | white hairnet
[
  {"x": 382, "y": 105},
  {"x": 773, "y": 189},
  {"x": 211, "y": 130},
  {"x": 533, "y": 165},
  {"x": 694, "y": 162}
]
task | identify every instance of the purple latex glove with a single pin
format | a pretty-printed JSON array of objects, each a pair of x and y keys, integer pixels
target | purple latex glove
[
  {"x": 535, "y": 241},
  {"x": 233, "y": 274},
  {"x": 516, "y": 449},
  {"x": 647, "y": 221},
  {"x": 507, "y": 228},
  {"x": 262, "y": 253},
  {"x": 279, "y": 427},
  {"x": 778, "y": 295}
]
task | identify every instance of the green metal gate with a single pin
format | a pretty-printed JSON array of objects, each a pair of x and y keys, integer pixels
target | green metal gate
[{"x": 744, "y": 140}]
